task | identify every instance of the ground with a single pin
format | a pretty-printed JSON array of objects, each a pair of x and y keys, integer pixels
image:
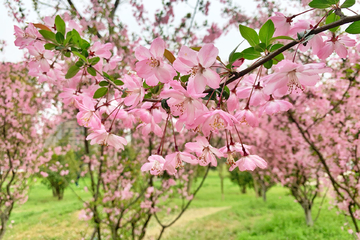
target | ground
[{"x": 238, "y": 216}]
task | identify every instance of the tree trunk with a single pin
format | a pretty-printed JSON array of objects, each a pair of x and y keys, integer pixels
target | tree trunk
[
  {"x": 308, "y": 217},
  {"x": 221, "y": 175},
  {"x": 263, "y": 192},
  {"x": 3, "y": 220},
  {"x": 257, "y": 188},
  {"x": 243, "y": 189}
]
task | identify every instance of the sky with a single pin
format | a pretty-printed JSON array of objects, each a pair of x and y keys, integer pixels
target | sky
[{"x": 12, "y": 54}]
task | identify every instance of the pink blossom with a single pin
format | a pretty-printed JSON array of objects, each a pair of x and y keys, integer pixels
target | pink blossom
[
  {"x": 183, "y": 103},
  {"x": 205, "y": 152},
  {"x": 249, "y": 162},
  {"x": 155, "y": 165},
  {"x": 41, "y": 56},
  {"x": 103, "y": 137},
  {"x": 246, "y": 116},
  {"x": 100, "y": 50},
  {"x": 87, "y": 116},
  {"x": 151, "y": 65},
  {"x": 336, "y": 44},
  {"x": 175, "y": 160},
  {"x": 215, "y": 120},
  {"x": 274, "y": 106},
  {"x": 27, "y": 37},
  {"x": 290, "y": 76},
  {"x": 198, "y": 64},
  {"x": 134, "y": 89},
  {"x": 282, "y": 24},
  {"x": 44, "y": 174}
]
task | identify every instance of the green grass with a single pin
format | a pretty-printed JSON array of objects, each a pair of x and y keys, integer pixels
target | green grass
[{"x": 238, "y": 216}]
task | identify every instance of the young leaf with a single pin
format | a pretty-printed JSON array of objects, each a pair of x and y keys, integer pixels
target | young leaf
[
  {"x": 233, "y": 51},
  {"x": 119, "y": 82},
  {"x": 348, "y": 3},
  {"x": 266, "y": 32},
  {"x": 79, "y": 55},
  {"x": 332, "y": 18},
  {"x": 41, "y": 26},
  {"x": 49, "y": 46},
  {"x": 321, "y": 4},
  {"x": 261, "y": 47},
  {"x": 73, "y": 70},
  {"x": 60, "y": 25},
  {"x": 79, "y": 63},
  {"x": 68, "y": 37},
  {"x": 76, "y": 37},
  {"x": 48, "y": 35},
  {"x": 169, "y": 56},
  {"x": 235, "y": 57},
  {"x": 59, "y": 37},
  {"x": 354, "y": 28},
  {"x": 268, "y": 64},
  {"x": 250, "y": 53},
  {"x": 103, "y": 83},
  {"x": 94, "y": 61},
  {"x": 164, "y": 105},
  {"x": 281, "y": 37},
  {"x": 100, "y": 92},
  {"x": 91, "y": 71},
  {"x": 250, "y": 35}
]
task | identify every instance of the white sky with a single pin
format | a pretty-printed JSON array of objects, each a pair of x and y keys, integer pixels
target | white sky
[{"x": 225, "y": 44}]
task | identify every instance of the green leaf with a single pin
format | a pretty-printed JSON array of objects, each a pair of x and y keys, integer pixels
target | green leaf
[
  {"x": 79, "y": 55},
  {"x": 59, "y": 38},
  {"x": 119, "y": 82},
  {"x": 235, "y": 57},
  {"x": 67, "y": 54},
  {"x": 94, "y": 61},
  {"x": 261, "y": 47},
  {"x": 250, "y": 35},
  {"x": 60, "y": 25},
  {"x": 250, "y": 53},
  {"x": 100, "y": 92},
  {"x": 48, "y": 35},
  {"x": 275, "y": 47},
  {"x": 278, "y": 58},
  {"x": 68, "y": 37},
  {"x": 321, "y": 4},
  {"x": 268, "y": 64},
  {"x": 107, "y": 76},
  {"x": 232, "y": 52},
  {"x": 184, "y": 78},
  {"x": 348, "y": 3},
  {"x": 91, "y": 71},
  {"x": 281, "y": 37},
  {"x": 266, "y": 32},
  {"x": 79, "y": 63},
  {"x": 85, "y": 53},
  {"x": 164, "y": 105},
  {"x": 354, "y": 28},
  {"x": 76, "y": 37},
  {"x": 49, "y": 46},
  {"x": 73, "y": 70},
  {"x": 84, "y": 44},
  {"x": 332, "y": 18},
  {"x": 213, "y": 95},
  {"x": 103, "y": 83},
  {"x": 226, "y": 92}
]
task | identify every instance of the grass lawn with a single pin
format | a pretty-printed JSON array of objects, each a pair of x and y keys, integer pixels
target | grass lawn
[{"x": 238, "y": 216}]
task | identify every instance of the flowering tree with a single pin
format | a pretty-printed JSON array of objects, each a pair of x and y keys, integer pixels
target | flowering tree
[
  {"x": 195, "y": 93},
  {"x": 21, "y": 139}
]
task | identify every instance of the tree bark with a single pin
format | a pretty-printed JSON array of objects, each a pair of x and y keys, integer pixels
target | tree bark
[{"x": 308, "y": 217}]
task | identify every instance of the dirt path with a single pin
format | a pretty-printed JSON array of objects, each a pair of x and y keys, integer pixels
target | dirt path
[{"x": 188, "y": 216}]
